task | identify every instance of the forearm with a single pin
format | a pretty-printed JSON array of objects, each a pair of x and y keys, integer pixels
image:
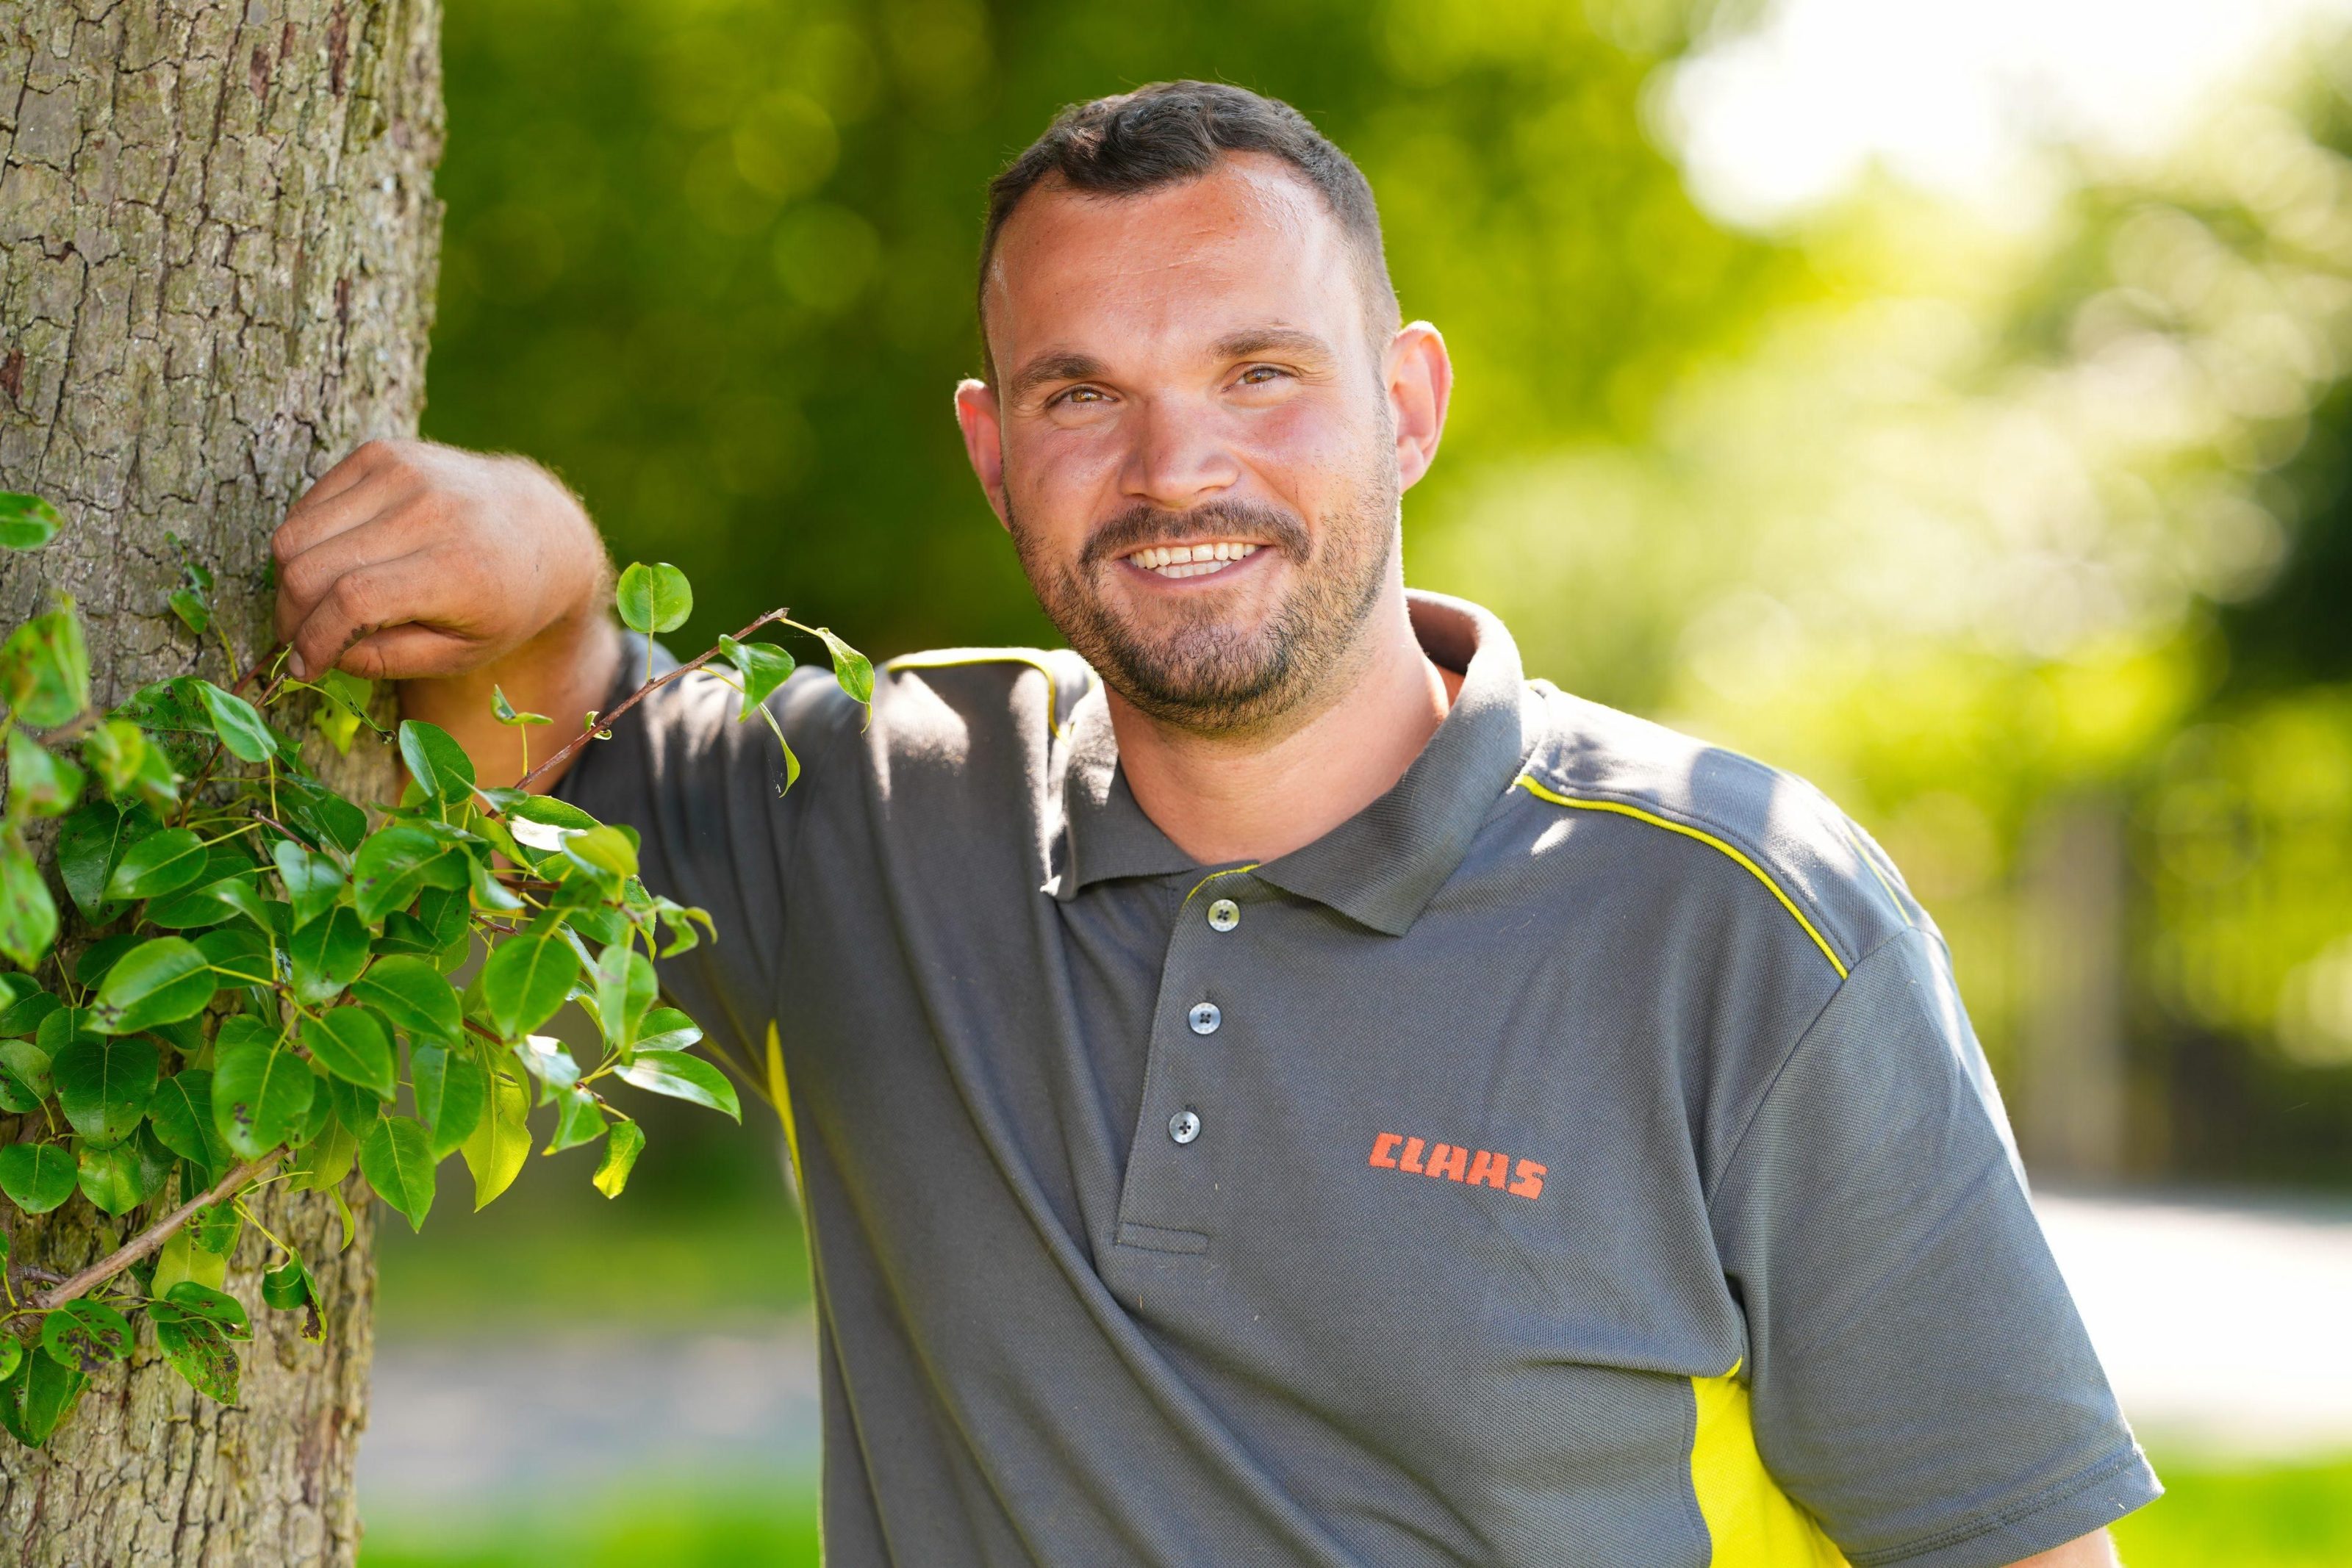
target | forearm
[
  {"x": 565, "y": 673},
  {"x": 2097, "y": 1550}
]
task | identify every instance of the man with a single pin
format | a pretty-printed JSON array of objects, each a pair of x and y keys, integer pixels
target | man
[{"x": 1273, "y": 1085}]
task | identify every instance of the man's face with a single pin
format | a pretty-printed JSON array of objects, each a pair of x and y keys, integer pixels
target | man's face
[{"x": 1191, "y": 438}]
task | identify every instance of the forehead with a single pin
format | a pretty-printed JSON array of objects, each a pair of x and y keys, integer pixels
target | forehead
[{"x": 1250, "y": 242}]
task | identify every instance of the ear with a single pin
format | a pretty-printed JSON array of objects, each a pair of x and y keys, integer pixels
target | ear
[
  {"x": 984, "y": 438},
  {"x": 1421, "y": 380}
]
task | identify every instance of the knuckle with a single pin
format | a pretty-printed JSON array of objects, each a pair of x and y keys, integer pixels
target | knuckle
[{"x": 354, "y": 598}]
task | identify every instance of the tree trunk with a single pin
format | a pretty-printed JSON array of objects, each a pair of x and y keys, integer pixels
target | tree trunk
[{"x": 217, "y": 240}]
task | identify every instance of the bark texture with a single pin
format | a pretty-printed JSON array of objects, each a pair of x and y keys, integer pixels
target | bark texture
[{"x": 217, "y": 241}]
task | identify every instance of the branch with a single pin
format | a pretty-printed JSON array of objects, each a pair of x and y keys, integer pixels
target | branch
[
  {"x": 153, "y": 1236},
  {"x": 605, "y": 719}
]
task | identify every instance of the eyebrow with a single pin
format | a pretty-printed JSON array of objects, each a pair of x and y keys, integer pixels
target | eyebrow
[
  {"x": 1059, "y": 365},
  {"x": 1252, "y": 341}
]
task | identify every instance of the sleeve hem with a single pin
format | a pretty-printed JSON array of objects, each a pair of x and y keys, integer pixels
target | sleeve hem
[{"x": 2075, "y": 1507}]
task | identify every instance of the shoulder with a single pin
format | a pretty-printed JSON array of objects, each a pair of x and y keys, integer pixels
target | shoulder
[
  {"x": 955, "y": 696},
  {"x": 1775, "y": 829}
]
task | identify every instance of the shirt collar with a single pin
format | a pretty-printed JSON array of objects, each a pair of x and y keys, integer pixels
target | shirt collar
[{"x": 1382, "y": 865}]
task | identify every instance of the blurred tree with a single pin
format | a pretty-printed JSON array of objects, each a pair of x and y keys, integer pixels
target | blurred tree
[{"x": 714, "y": 261}]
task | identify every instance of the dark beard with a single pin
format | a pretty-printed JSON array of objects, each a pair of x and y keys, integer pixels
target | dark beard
[{"x": 1205, "y": 675}]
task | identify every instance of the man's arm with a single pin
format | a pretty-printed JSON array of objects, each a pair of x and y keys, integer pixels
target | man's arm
[
  {"x": 450, "y": 573},
  {"x": 2097, "y": 1550}
]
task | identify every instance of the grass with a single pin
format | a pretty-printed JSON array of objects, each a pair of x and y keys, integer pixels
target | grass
[{"x": 2286, "y": 1516}]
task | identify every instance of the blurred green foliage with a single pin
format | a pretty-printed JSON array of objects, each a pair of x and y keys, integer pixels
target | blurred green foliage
[
  {"x": 712, "y": 259},
  {"x": 1972, "y": 522}
]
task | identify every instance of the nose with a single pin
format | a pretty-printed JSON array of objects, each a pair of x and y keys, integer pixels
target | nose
[{"x": 1179, "y": 457}]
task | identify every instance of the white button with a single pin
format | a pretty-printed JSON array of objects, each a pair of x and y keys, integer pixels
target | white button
[
  {"x": 1224, "y": 915},
  {"x": 1184, "y": 1127},
  {"x": 1204, "y": 1018}
]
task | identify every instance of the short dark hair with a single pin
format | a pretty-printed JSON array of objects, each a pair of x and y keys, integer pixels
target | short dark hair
[{"x": 1169, "y": 132}]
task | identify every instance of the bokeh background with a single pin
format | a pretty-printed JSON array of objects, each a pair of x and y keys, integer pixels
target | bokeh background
[{"x": 1950, "y": 401}]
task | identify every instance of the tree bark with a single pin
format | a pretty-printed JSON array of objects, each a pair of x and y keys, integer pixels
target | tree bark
[{"x": 217, "y": 242}]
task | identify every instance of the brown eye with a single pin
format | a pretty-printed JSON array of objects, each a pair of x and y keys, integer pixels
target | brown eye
[{"x": 1259, "y": 375}]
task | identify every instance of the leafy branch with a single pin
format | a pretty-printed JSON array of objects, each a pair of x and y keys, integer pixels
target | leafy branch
[{"x": 266, "y": 976}]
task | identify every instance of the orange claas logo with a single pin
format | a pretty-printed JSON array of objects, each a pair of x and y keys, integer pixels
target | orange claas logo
[{"x": 1395, "y": 1151}]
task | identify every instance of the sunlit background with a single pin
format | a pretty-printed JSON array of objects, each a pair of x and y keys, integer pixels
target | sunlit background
[{"x": 1950, "y": 401}]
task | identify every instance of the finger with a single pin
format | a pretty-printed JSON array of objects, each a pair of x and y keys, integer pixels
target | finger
[
  {"x": 357, "y": 466},
  {"x": 320, "y": 517},
  {"x": 411, "y": 653},
  {"x": 368, "y": 599},
  {"x": 305, "y": 578}
]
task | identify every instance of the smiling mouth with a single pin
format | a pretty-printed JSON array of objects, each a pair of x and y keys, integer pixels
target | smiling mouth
[{"x": 1174, "y": 561}]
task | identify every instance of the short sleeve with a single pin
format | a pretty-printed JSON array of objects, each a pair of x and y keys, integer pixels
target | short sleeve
[
  {"x": 1920, "y": 1380},
  {"x": 706, "y": 794}
]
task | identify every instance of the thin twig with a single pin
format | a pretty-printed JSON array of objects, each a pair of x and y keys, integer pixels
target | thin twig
[
  {"x": 153, "y": 1236},
  {"x": 604, "y": 720}
]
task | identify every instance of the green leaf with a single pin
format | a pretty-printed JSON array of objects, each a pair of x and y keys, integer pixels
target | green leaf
[
  {"x": 286, "y": 1286},
  {"x": 578, "y": 1121},
  {"x": 621, "y": 1152},
  {"x": 160, "y": 863},
  {"x": 27, "y": 522},
  {"x": 605, "y": 850},
  {"x": 218, "y": 1308},
  {"x": 451, "y": 1090},
  {"x": 397, "y": 1160},
  {"x": 36, "y": 1176},
  {"x": 762, "y": 665},
  {"x": 242, "y": 955},
  {"x": 327, "y": 954},
  {"x": 189, "y": 605},
  {"x": 505, "y": 712},
  {"x": 197, "y": 1350},
  {"x": 110, "y": 1176},
  {"x": 354, "y": 1106},
  {"x": 436, "y": 760},
  {"x": 28, "y": 915},
  {"x": 526, "y": 981},
  {"x": 45, "y": 669},
  {"x": 24, "y": 1077},
  {"x": 161, "y": 981},
  {"x": 350, "y": 1044},
  {"x": 850, "y": 667},
  {"x": 24, "y": 1015},
  {"x": 388, "y": 872},
  {"x": 490, "y": 894},
  {"x": 311, "y": 880},
  {"x": 88, "y": 844},
  {"x": 326, "y": 1159},
  {"x": 683, "y": 1077},
  {"x": 496, "y": 1151},
  {"x": 42, "y": 1392},
  {"x": 182, "y": 1259},
  {"x": 653, "y": 599},
  {"x": 238, "y": 723},
  {"x": 12, "y": 1356},
  {"x": 417, "y": 997},
  {"x": 667, "y": 1029},
  {"x": 40, "y": 782},
  {"x": 115, "y": 750},
  {"x": 261, "y": 1089},
  {"x": 548, "y": 1060},
  {"x": 104, "y": 1085},
  {"x": 181, "y": 1117},
  {"x": 86, "y": 1335},
  {"x": 625, "y": 990},
  {"x": 319, "y": 814}
]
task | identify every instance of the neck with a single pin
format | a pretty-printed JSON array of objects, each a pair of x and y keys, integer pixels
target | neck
[{"x": 1259, "y": 796}]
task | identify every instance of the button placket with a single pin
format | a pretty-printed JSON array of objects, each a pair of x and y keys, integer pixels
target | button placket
[{"x": 1171, "y": 1182}]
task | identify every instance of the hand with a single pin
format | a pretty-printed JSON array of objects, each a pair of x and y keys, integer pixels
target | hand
[{"x": 410, "y": 558}]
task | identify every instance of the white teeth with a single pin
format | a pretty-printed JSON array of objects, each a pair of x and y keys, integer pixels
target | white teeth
[{"x": 1191, "y": 561}]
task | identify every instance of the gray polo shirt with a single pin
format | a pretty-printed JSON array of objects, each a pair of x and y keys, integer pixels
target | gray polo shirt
[{"x": 1579, "y": 1157}]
